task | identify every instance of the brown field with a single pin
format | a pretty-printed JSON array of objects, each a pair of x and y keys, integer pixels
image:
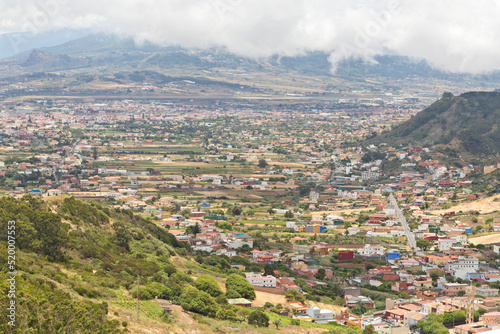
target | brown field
[
  {"x": 483, "y": 205},
  {"x": 263, "y": 297},
  {"x": 486, "y": 239}
]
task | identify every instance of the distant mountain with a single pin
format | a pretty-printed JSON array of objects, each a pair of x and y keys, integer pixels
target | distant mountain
[
  {"x": 12, "y": 44},
  {"x": 39, "y": 59},
  {"x": 114, "y": 51},
  {"x": 465, "y": 125}
]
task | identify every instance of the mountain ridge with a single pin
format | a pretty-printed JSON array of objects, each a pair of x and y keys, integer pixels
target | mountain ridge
[{"x": 464, "y": 125}]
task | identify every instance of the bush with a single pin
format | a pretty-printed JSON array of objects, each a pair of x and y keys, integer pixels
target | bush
[
  {"x": 209, "y": 285},
  {"x": 240, "y": 285},
  {"x": 258, "y": 318}
]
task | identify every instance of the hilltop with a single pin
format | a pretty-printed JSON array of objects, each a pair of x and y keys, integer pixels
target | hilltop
[{"x": 463, "y": 126}]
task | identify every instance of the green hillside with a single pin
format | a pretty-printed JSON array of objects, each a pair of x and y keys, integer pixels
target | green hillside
[
  {"x": 73, "y": 259},
  {"x": 465, "y": 126},
  {"x": 77, "y": 267}
]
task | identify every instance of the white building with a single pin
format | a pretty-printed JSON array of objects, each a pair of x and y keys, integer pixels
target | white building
[
  {"x": 445, "y": 244},
  {"x": 226, "y": 252},
  {"x": 313, "y": 196},
  {"x": 237, "y": 243},
  {"x": 262, "y": 281},
  {"x": 320, "y": 316},
  {"x": 367, "y": 176},
  {"x": 462, "y": 266},
  {"x": 371, "y": 250}
]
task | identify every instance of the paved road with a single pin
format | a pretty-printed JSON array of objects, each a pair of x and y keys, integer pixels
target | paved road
[{"x": 409, "y": 234}]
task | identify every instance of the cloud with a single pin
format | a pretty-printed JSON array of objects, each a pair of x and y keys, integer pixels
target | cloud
[{"x": 451, "y": 35}]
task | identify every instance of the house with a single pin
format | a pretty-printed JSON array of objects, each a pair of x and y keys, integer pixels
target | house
[
  {"x": 397, "y": 315},
  {"x": 423, "y": 282},
  {"x": 486, "y": 291},
  {"x": 262, "y": 281},
  {"x": 393, "y": 255},
  {"x": 472, "y": 328},
  {"x": 346, "y": 255},
  {"x": 264, "y": 258},
  {"x": 354, "y": 291},
  {"x": 320, "y": 316},
  {"x": 369, "y": 250},
  {"x": 238, "y": 243},
  {"x": 351, "y": 301},
  {"x": 453, "y": 289},
  {"x": 445, "y": 244},
  {"x": 413, "y": 319},
  {"x": 256, "y": 253},
  {"x": 491, "y": 318},
  {"x": 401, "y": 286},
  {"x": 297, "y": 307},
  {"x": 461, "y": 266},
  {"x": 390, "y": 277},
  {"x": 393, "y": 330}
]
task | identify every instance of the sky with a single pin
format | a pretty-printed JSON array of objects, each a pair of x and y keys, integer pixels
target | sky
[{"x": 460, "y": 36}]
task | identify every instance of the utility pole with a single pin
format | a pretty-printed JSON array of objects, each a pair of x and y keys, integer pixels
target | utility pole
[{"x": 137, "y": 305}]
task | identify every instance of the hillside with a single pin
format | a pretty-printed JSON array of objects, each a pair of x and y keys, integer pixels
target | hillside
[
  {"x": 39, "y": 59},
  {"x": 77, "y": 267},
  {"x": 463, "y": 126}
]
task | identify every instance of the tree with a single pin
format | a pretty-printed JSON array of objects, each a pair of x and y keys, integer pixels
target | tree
[
  {"x": 362, "y": 218},
  {"x": 122, "y": 235},
  {"x": 225, "y": 226},
  {"x": 404, "y": 295},
  {"x": 289, "y": 214},
  {"x": 369, "y": 330},
  {"x": 268, "y": 269},
  {"x": 292, "y": 295},
  {"x": 258, "y": 318},
  {"x": 423, "y": 243},
  {"x": 320, "y": 274},
  {"x": 186, "y": 213},
  {"x": 193, "y": 229},
  {"x": 262, "y": 163},
  {"x": 359, "y": 309},
  {"x": 236, "y": 211},
  {"x": 209, "y": 285},
  {"x": 277, "y": 323},
  {"x": 231, "y": 294},
  {"x": 240, "y": 285}
]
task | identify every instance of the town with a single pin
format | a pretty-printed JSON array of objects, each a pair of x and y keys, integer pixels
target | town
[{"x": 385, "y": 238}]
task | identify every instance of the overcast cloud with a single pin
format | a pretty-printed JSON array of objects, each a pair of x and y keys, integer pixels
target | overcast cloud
[{"x": 452, "y": 35}]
